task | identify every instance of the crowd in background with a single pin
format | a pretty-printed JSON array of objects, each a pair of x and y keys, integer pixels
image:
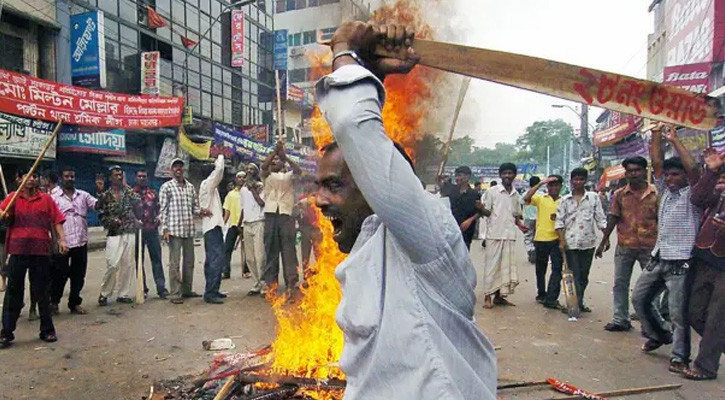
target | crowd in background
[{"x": 45, "y": 236}]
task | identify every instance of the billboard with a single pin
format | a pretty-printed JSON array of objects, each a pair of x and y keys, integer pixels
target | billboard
[
  {"x": 80, "y": 139},
  {"x": 280, "y": 49},
  {"x": 692, "y": 77},
  {"x": 695, "y": 31},
  {"x": 25, "y": 137},
  {"x": 150, "y": 72},
  {"x": 237, "y": 38},
  {"x": 88, "y": 50}
]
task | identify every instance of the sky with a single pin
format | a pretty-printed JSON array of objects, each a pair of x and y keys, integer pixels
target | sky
[{"x": 606, "y": 35}]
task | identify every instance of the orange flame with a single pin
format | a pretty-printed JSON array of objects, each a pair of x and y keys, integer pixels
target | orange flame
[{"x": 308, "y": 338}]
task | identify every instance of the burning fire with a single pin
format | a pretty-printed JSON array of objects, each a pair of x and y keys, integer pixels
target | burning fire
[{"x": 309, "y": 342}]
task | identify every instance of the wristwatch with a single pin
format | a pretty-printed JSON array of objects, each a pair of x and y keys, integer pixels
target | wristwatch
[{"x": 352, "y": 53}]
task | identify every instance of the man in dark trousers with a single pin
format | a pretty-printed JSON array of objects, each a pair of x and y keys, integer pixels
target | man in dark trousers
[
  {"x": 30, "y": 220},
  {"x": 465, "y": 203},
  {"x": 149, "y": 212},
  {"x": 706, "y": 311}
]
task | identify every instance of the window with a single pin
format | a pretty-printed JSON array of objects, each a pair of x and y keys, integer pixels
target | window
[
  {"x": 312, "y": 3},
  {"x": 323, "y": 2},
  {"x": 298, "y": 75},
  {"x": 326, "y": 34},
  {"x": 280, "y": 6},
  {"x": 308, "y": 37},
  {"x": 296, "y": 39},
  {"x": 300, "y": 4},
  {"x": 291, "y": 4},
  {"x": 11, "y": 48}
]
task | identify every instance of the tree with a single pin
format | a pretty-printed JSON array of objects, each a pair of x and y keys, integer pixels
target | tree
[{"x": 554, "y": 134}]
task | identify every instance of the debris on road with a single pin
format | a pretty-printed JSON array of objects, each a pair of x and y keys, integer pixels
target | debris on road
[{"x": 218, "y": 344}]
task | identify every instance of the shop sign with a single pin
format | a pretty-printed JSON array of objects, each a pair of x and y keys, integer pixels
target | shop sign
[
  {"x": 24, "y": 137},
  {"x": 91, "y": 140},
  {"x": 150, "y": 73},
  {"x": 88, "y": 50},
  {"x": 280, "y": 49},
  {"x": 692, "y": 77},
  {"x": 237, "y": 38}
]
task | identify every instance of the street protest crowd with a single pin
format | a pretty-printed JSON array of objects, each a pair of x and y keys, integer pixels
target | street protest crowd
[
  {"x": 401, "y": 249},
  {"x": 672, "y": 228},
  {"x": 45, "y": 233}
]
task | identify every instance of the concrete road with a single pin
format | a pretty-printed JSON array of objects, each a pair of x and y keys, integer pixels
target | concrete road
[{"x": 117, "y": 352}]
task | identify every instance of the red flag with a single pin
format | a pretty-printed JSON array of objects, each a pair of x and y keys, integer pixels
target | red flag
[
  {"x": 188, "y": 43},
  {"x": 155, "y": 20}
]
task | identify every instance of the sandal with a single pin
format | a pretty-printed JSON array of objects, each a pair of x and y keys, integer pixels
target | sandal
[
  {"x": 177, "y": 301},
  {"x": 651, "y": 345},
  {"x": 678, "y": 366},
  {"x": 501, "y": 301},
  {"x": 487, "y": 303},
  {"x": 49, "y": 337},
  {"x": 78, "y": 310},
  {"x": 694, "y": 374},
  {"x": 5, "y": 342}
]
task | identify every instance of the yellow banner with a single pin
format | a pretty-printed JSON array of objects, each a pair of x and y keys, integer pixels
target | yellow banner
[{"x": 199, "y": 151}]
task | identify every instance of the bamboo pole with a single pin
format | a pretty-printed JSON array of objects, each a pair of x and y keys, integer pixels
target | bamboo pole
[
  {"x": 624, "y": 392},
  {"x": 461, "y": 96},
  {"x": 280, "y": 128},
  {"x": 226, "y": 388},
  {"x": 2, "y": 178},
  {"x": 521, "y": 384},
  {"x": 32, "y": 169}
]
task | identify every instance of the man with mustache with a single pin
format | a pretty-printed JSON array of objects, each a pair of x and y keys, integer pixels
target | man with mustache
[{"x": 408, "y": 283}]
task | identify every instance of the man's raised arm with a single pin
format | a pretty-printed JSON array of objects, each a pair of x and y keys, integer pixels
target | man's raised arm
[{"x": 352, "y": 99}]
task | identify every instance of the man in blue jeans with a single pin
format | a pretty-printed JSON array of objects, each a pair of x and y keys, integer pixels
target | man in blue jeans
[
  {"x": 150, "y": 218},
  {"x": 633, "y": 212},
  {"x": 211, "y": 203}
]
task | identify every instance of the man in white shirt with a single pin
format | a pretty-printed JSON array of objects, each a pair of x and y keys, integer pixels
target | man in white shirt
[
  {"x": 252, "y": 219},
  {"x": 279, "y": 225},
  {"x": 407, "y": 285},
  {"x": 212, "y": 224}
]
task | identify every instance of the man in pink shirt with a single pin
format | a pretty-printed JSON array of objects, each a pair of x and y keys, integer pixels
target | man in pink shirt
[{"x": 74, "y": 205}]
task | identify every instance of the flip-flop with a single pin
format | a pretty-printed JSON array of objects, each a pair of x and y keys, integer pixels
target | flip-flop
[
  {"x": 650, "y": 346},
  {"x": 78, "y": 310},
  {"x": 695, "y": 375},
  {"x": 500, "y": 301}
]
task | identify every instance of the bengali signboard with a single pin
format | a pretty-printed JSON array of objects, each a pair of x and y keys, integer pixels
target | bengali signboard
[
  {"x": 88, "y": 50},
  {"x": 169, "y": 150},
  {"x": 612, "y": 174},
  {"x": 26, "y": 96},
  {"x": 237, "y": 38},
  {"x": 24, "y": 137},
  {"x": 229, "y": 141},
  {"x": 90, "y": 140},
  {"x": 692, "y": 77},
  {"x": 150, "y": 73},
  {"x": 620, "y": 151},
  {"x": 625, "y": 126},
  {"x": 280, "y": 49}
]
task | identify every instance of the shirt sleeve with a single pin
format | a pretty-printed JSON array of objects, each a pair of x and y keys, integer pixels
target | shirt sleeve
[
  {"x": 228, "y": 202},
  {"x": 56, "y": 216},
  {"x": 195, "y": 208},
  {"x": 6, "y": 201},
  {"x": 600, "y": 216},
  {"x": 164, "y": 208},
  {"x": 616, "y": 209},
  {"x": 535, "y": 200},
  {"x": 561, "y": 215},
  {"x": 90, "y": 201},
  {"x": 351, "y": 99}
]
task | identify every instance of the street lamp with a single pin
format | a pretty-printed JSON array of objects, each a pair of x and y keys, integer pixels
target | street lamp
[{"x": 226, "y": 8}]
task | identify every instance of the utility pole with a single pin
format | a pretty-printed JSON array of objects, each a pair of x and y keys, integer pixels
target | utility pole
[{"x": 548, "y": 160}]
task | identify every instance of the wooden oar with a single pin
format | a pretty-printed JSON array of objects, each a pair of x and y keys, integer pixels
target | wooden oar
[
  {"x": 32, "y": 170},
  {"x": 624, "y": 392}
]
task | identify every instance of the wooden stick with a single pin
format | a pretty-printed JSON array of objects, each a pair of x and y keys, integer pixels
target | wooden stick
[
  {"x": 139, "y": 270},
  {"x": 570, "y": 82},
  {"x": 280, "y": 128},
  {"x": 32, "y": 169},
  {"x": 456, "y": 113},
  {"x": 291, "y": 380},
  {"x": 521, "y": 384},
  {"x": 226, "y": 388},
  {"x": 5, "y": 186},
  {"x": 624, "y": 392}
]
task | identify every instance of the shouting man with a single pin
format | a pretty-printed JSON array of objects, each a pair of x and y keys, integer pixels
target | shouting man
[{"x": 408, "y": 299}]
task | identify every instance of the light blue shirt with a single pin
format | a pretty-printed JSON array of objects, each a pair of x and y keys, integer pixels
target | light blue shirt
[{"x": 408, "y": 284}]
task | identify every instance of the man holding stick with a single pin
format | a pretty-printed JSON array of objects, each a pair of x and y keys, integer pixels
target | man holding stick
[
  {"x": 408, "y": 298},
  {"x": 30, "y": 220}
]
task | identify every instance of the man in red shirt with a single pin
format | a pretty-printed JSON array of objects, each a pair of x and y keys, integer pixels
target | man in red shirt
[{"x": 28, "y": 242}]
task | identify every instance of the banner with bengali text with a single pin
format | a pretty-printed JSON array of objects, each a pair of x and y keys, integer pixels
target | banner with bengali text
[
  {"x": 24, "y": 137},
  {"x": 30, "y": 97},
  {"x": 82, "y": 139}
]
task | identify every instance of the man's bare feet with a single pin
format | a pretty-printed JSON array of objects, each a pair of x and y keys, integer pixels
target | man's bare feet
[{"x": 487, "y": 304}]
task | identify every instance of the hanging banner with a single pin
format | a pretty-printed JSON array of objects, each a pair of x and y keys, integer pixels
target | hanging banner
[
  {"x": 199, "y": 151},
  {"x": 612, "y": 174},
  {"x": 693, "y": 140},
  {"x": 620, "y": 151},
  {"x": 229, "y": 141},
  {"x": 617, "y": 132},
  {"x": 256, "y": 132},
  {"x": 26, "y": 96},
  {"x": 692, "y": 77},
  {"x": 169, "y": 151},
  {"x": 88, "y": 50},
  {"x": 280, "y": 49},
  {"x": 25, "y": 137},
  {"x": 150, "y": 73},
  {"x": 80, "y": 139},
  {"x": 717, "y": 139},
  {"x": 237, "y": 38},
  {"x": 295, "y": 94}
]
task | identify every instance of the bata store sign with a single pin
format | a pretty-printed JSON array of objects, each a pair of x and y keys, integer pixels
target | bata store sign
[
  {"x": 35, "y": 98},
  {"x": 692, "y": 77}
]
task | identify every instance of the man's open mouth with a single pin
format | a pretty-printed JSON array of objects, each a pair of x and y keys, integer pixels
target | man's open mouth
[{"x": 336, "y": 225}]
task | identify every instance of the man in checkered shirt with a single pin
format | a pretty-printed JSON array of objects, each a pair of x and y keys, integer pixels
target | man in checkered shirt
[
  {"x": 179, "y": 205},
  {"x": 678, "y": 223}
]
